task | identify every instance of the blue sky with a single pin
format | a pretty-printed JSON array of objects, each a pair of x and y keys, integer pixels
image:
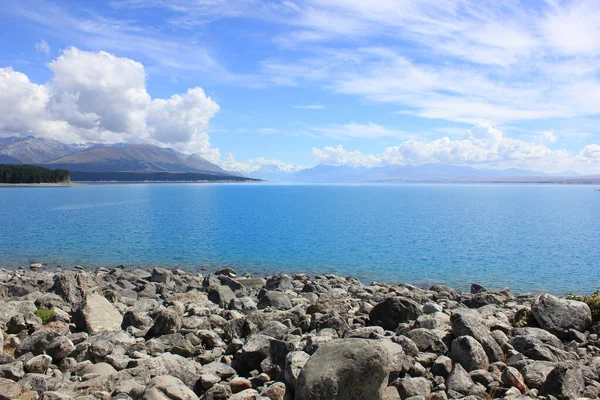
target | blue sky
[{"x": 344, "y": 82}]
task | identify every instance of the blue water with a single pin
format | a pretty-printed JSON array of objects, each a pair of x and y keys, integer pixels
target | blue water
[{"x": 530, "y": 238}]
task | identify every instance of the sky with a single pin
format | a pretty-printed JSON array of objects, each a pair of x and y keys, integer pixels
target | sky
[{"x": 247, "y": 83}]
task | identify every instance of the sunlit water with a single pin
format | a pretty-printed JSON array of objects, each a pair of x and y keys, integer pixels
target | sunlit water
[{"x": 530, "y": 238}]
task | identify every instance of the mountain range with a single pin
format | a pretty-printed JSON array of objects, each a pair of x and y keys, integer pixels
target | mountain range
[{"x": 93, "y": 161}]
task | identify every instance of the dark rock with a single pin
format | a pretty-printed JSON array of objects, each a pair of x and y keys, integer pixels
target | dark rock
[
  {"x": 469, "y": 353},
  {"x": 467, "y": 322},
  {"x": 60, "y": 347},
  {"x": 476, "y": 288},
  {"x": 36, "y": 343},
  {"x": 13, "y": 371},
  {"x": 428, "y": 340},
  {"x": 393, "y": 311},
  {"x": 563, "y": 382},
  {"x": 280, "y": 282},
  {"x": 558, "y": 315},
  {"x": 275, "y": 300}
]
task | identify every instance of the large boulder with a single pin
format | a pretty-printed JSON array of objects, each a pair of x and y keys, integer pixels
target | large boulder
[
  {"x": 393, "y": 311},
  {"x": 275, "y": 300},
  {"x": 469, "y": 353},
  {"x": 467, "y": 322},
  {"x": 565, "y": 382},
  {"x": 168, "y": 388},
  {"x": 98, "y": 315},
  {"x": 11, "y": 308},
  {"x": 558, "y": 315},
  {"x": 345, "y": 369}
]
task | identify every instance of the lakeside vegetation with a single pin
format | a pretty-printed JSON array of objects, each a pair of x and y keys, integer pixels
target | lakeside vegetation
[{"x": 16, "y": 174}]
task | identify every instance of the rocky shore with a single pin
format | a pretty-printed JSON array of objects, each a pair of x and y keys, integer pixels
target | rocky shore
[{"x": 168, "y": 334}]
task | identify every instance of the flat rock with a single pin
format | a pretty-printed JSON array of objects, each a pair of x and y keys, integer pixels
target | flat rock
[{"x": 98, "y": 316}]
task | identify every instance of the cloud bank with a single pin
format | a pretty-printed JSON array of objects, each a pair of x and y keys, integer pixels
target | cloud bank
[
  {"x": 481, "y": 146},
  {"x": 99, "y": 97}
]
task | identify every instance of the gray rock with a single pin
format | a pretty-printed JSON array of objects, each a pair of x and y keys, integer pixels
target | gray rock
[
  {"x": 409, "y": 387},
  {"x": 275, "y": 300},
  {"x": 469, "y": 353},
  {"x": 38, "y": 364},
  {"x": 535, "y": 349},
  {"x": 467, "y": 322},
  {"x": 428, "y": 340},
  {"x": 38, "y": 383},
  {"x": 280, "y": 282},
  {"x": 12, "y": 308},
  {"x": 220, "y": 295},
  {"x": 23, "y": 322},
  {"x": 393, "y": 311},
  {"x": 9, "y": 389},
  {"x": 563, "y": 382},
  {"x": 168, "y": 320},
  {"x": 168, "y": 388},
  {"x": 558, "y": 315},
  {"x": 432, "y": 308},
  {"x": 220, "y": 391},
  {"x": 459, "y": 380},
  {"x": 161, "y": 275},
  {"x": 255, "y": 350},
  {"x": 36, "y": 343},
  {"x": 535, "y": 373},
  {"x": 442, "y": 366},
  {"x": 334, "y": 301},
  {"x": 98, "y": 315},
  {"x": 345, "y": 369},
  {"x": 13, "y": 371},
  {"x": 294, "y": 363},
  {"x": 60, "y": 347}
]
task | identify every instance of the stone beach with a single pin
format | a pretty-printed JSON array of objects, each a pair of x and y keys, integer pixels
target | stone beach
[{"x": 170, "y": 334}]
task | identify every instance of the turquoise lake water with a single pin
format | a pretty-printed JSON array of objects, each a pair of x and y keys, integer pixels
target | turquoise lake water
[{"x": 529, "y": 238}]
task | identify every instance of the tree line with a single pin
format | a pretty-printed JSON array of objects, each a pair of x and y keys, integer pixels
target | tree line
[{"x": 29, "y": 174}]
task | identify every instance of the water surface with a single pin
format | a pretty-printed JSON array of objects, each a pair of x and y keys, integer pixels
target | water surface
[{"x": 527, "y": 237}]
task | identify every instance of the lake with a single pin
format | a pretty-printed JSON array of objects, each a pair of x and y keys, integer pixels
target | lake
[{"x": 527, "y": 237}]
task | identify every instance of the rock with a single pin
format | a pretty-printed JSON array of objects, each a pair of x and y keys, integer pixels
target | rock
[
  {"x": 558, "y": 315},
  {"x": 432, "y": 308},
  {"x": 52, "y": 395},
  {"x": 459, "y": 380},
  {"x": 345, "y": 369},
  {"x": 535, "y": 373},
  {"x": 393, "y": 311},
  {"x": 38, "y": 383},
  {"x": 409, "y": 387},
  {"x": 13, "y": 371},
  {"x": 12, "y": 308},
  {"x": 38, "y": 364},
  {"x": 476, "y": 289},
  {"x": 481, "y": 376},
  {"x": 540, "y": 334},
  {"x": 280, "y": 282},
  {"x": 255, "y": 350},
  {"x": 294, "y": 363},
  {"x": 563, "y": 382},
  {"x": 60, "y": 347},
  {"x": 161, "y": 275},
  {"x": 168, "y": 320},
  {"x": 466, "y": 322},
  {"x": 220, "y": 295},
  {"x": 98, "y": 315},
  {"x": 275, "y": 300},
  {"x": 334, "y": 301},
  {"x": 276, "y": 391},
  {"x": 218, "y": 392},
  {"x": 469, "y": 353},
  {"x": 9, "y": 389},
  {"x": 512, "y": 377},
  {"x": 536, "y": 350},
  {"x": 168, "y": 388},
  {"x": 428, "y": 340},
  {"x": 239, "y": 384},
  {"x": 442, "y": 366},
  {"x": 36, "y": 343},
  {"x": 23, "y": 322},
  {"x": 248, "y": 394}
]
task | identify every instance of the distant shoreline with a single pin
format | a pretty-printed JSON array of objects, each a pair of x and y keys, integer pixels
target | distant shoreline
[{"x": 40, "y": 184}]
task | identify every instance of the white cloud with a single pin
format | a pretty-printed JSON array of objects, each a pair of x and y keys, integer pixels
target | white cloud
[
  {"x": 340, "y": 156},
  {"x": 355, "y": 130},
  {"x": 482, "y": 146},
  {"x": 43, "y": 47},
  {"x": 103, "y": 98},
  {"x": 255, "y": 164},
  {"x": 548, "y": 137},
  {"x": 311, "y": 107}
]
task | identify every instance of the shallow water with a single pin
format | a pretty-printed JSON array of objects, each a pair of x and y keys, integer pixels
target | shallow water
[{"x": 527, "y": 237}]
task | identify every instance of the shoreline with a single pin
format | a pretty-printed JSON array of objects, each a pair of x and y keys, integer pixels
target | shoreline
[{"x": 170, "y": 334}]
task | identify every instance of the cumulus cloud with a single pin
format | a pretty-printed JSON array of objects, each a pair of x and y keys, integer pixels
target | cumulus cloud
[
  {"x": 252, "y": 165},
  {"x": 97, "y": 96},
  {"x": 42, "y": 46},
  {"x": 481, "y": 146}
]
